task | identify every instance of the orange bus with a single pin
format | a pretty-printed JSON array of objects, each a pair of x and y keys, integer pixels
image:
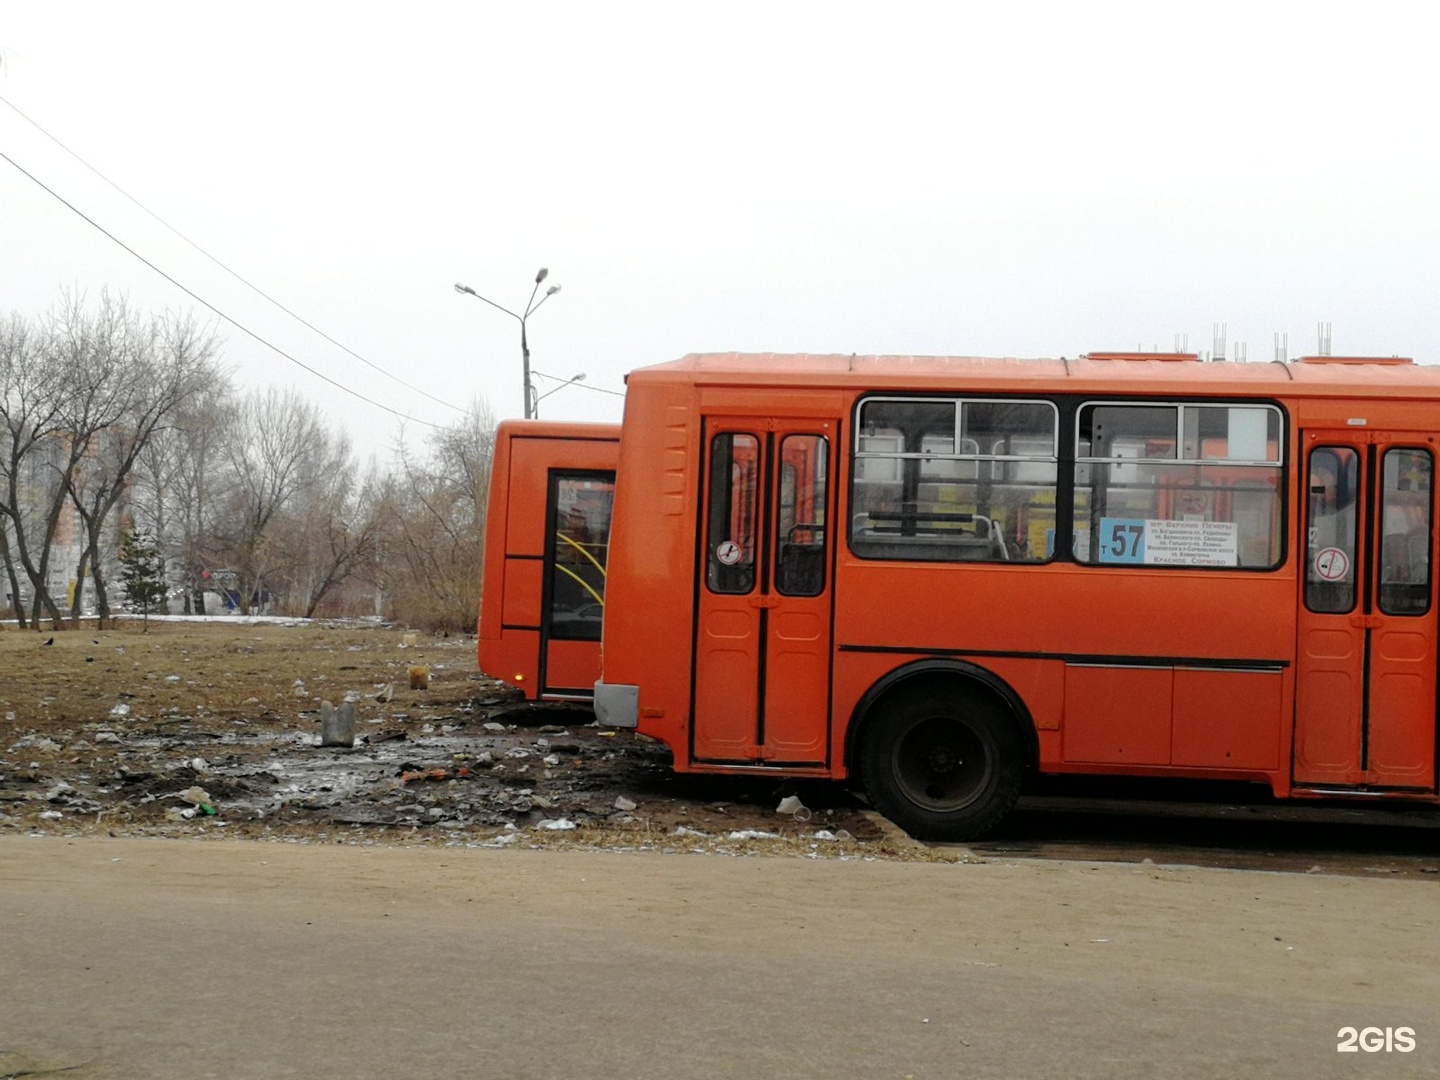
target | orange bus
[
  {"x": 935, "y": 576},
  {"x": 547, "y": 531}
]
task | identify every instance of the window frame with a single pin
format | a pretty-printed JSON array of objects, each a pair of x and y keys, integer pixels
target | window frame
[
  {"x": 1280, "y": 467},
  {"x": 555, "y": 628},
  {"x": 743, "y": 577},
  {"x": 1385, "y": 591},
  {"x": 1181, "y": 404},
  {"x": 859, "y": 458},
  {"x": 782, "y": 581}
]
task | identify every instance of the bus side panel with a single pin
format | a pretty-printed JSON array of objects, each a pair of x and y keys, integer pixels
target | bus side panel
[
  {"x": 497, "y": 523},
  {"x": 1214, "y": 719},
  {"x": 1037, "y": 685},
  {"x": 524, "y": 583},
  {"x": 650, "y": 597},
  {"x": 1118, "y": 715},
  {"x": 1123, "y": 677},
  {"x": 514, "y": 658},
  {"x": 1040, "y": 686}
]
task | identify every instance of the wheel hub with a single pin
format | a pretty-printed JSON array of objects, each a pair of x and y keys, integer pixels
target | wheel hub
[
  {"x": 941, "y": 764},
  {"x": 940, "y": 760}
]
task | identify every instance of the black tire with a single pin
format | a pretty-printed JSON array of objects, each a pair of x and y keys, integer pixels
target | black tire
[{"x": 942, "y": 763}]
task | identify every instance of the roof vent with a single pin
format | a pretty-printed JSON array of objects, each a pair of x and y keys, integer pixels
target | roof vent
[
  {"x": 1389, "y": 361},
  {"x": 1170, "y": 357}
]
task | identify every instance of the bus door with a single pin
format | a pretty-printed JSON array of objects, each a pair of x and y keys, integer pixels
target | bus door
[
  {"x": 1366, "y": 658},
  {"x": 762, "y": 628}
]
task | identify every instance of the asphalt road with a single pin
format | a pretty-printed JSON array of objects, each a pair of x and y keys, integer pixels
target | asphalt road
[{"x": 190, "y": 959}]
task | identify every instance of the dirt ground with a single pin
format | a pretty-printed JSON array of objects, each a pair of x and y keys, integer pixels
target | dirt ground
[
  {"x": 135, "y": 959},
  {"x": 369, "y": 959},
  {"x": 206, "y": 729}
]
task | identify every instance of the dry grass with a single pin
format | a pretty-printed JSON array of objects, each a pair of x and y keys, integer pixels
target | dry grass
[{"x": 55, "y": 683}]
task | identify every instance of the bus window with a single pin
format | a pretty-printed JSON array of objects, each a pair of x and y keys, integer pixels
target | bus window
[
  {"x": 730, "y": 529},
  {"x": 1405, "y": 509},
  {"x": 580, "y": 533},
  {"x": 1178, "y": 485},
  {"x": 1330, "y": 530},
  {"x": 800, "y": 525},
  {"x": 970, "y": 480}
]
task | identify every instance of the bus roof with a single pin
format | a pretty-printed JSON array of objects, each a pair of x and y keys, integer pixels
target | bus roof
[
  {"x": 557, "y": 429},
  {"x": 1100, "y": 372}
]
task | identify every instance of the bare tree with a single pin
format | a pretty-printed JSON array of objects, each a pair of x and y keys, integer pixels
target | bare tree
[
  {"x": 183, "y": 482},
  {"x": 56, "y": 391},
  {"x": 174, "y": 365},
  {"x": 275, "y": 437},
  {"x": 110, "y": 421},
  {"x": 331, "y": 534},
  {"x": 32, "y": 401},
  {"x": 435, "y": 533},
  {"x": 91, "y": 355}
]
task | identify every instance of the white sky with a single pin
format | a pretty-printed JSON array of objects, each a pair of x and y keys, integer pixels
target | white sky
[{"x": 959, "y": 178}]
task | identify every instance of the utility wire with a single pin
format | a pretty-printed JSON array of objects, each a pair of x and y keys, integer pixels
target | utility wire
[
  {"x": 200, "y": 299},
  {"x": 250, "y": 285},
  {"x": 595, "y": 389},
  {"x": 567, "y": 382}
]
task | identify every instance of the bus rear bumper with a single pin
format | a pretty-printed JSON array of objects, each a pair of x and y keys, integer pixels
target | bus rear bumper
[{"x": 617, "y": 704}]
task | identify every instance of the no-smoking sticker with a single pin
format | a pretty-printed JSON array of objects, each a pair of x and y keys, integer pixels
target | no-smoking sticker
[
  {"x": 728, "y": 553},
  {"x": 1331, "y": 564}
]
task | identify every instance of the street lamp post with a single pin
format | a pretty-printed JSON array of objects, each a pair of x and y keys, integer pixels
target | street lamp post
[
  {"x": 531, "y": 307},
  {"x": 563, "y": 383}
]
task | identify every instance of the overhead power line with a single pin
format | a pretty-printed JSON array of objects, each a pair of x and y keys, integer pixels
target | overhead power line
[
  {"x": 206, "y": 303},
  {"x": 595, "y": 389},
  {"x": 577, "y": 382},
  {"x": 237, "y": 276}
]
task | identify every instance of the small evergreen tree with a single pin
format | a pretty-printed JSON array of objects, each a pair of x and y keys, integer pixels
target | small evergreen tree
[{"x": 142, "y": 568}]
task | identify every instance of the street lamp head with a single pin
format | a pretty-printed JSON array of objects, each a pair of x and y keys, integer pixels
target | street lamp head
[
  {"x": 578, "y": 378},
  {"x": 530, "y": 398}
]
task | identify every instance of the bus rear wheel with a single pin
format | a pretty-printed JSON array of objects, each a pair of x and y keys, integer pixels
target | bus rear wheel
[{"x": 941, "y": 764}]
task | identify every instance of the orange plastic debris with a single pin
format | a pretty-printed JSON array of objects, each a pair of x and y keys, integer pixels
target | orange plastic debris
[{"x": 424, "y": 774}]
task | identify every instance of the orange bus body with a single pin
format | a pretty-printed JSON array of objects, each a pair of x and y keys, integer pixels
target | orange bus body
[
  {"x": 1248, "y": 591},
  {"x": 546, "y": 534}
]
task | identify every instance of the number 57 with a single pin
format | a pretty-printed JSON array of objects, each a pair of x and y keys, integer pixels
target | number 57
[{"x": 1125, "y": 540}]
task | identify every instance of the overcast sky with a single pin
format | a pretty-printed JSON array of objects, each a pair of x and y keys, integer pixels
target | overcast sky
[{"x": 978, "y": 179}]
